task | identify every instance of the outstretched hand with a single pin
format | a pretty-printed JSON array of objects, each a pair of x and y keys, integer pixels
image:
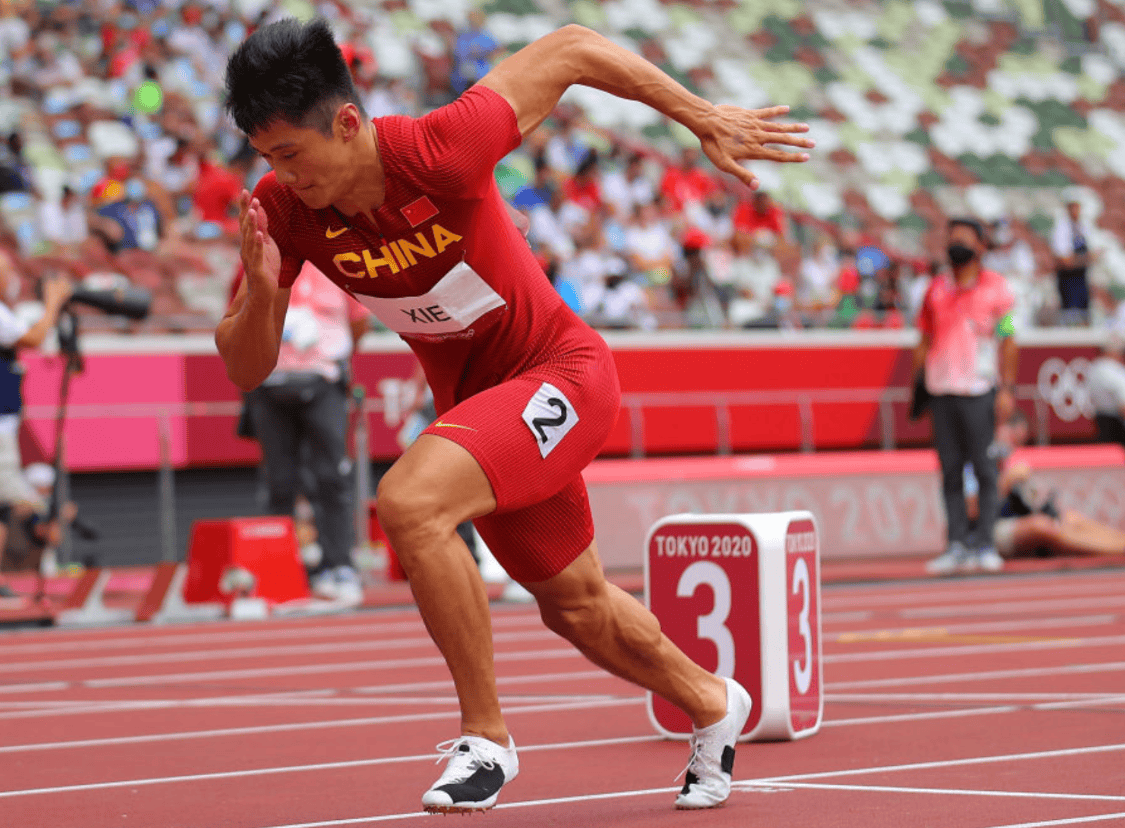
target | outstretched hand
[
  {"x": 733, "y": 135},
  {"x": 261, "y": 258}
]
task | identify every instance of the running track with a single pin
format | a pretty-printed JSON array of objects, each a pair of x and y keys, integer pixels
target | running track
[{"x": 994, "y": 701}]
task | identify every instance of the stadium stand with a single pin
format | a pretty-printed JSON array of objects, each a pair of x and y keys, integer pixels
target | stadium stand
[{"x": 997, "y": 108}]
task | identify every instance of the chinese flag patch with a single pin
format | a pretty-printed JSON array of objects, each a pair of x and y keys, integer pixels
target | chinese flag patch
[{"x": 419, "y": 210}]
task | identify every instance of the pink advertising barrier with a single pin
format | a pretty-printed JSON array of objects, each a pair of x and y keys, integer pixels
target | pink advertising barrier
[
  {"x": 867, "y": 504},
  {"x": 682, "y": 393}
]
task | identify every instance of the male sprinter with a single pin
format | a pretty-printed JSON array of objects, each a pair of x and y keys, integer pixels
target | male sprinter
[{"x": 405, "y": 215}]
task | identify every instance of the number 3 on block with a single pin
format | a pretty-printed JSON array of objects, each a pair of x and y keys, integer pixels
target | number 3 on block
[
  {"x": 803, "y": 597},
  {"x": 702, "y": 583}
]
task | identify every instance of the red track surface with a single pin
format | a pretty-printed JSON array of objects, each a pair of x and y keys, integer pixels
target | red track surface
[{"x": 993, "y": 701}]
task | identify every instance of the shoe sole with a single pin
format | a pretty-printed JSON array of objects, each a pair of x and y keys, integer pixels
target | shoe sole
[{"x": 454, "y": 809}]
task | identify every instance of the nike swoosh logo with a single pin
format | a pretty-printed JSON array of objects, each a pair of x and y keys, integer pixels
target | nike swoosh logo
[
  {"x": 440, "y": 424},
  {"x": 331, "y": 234}
]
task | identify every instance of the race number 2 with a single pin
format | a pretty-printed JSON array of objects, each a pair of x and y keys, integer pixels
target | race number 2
[{"x": 739, "y": 594}]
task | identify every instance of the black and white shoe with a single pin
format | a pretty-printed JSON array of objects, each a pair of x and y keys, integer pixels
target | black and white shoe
[
  {"x": 712, "y": 753},
  {"x": 477, "y": 769}
]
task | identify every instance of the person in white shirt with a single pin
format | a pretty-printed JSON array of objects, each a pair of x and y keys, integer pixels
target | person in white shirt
[
  {"x": 625, "y": 189},
  {"x": 63, "y": 222},
  {"x": 1070, "y": 245},
  {"x": 1106, "y": 383},
  {"x": 299, "y": 416},
  {"x": 1013, "y": 258},
  {"x": 16, "y": 335},
  {"x": 650, "y": 245}
]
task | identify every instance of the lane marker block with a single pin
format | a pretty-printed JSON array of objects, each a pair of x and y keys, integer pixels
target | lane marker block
[{"x": 740, "y": 595}]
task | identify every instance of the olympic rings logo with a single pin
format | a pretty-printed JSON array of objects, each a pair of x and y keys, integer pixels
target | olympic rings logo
[{"x": 1064, "y": 385}]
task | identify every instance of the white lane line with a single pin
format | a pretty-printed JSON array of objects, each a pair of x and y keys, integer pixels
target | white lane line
[
  {"x": 1063, "y": 705},
  {"x": 503, "y": 806},
  {"x": 220, "y": 633},
  {"x": 1007, "y": 627},
  {"x": 944, "y": 678},
  {"x": 1013, "y": 607},
  {"x": 245, "y": 653},
  {"x": 949, "y": 763},
  {"x": 85, "y": 707},
  {"x": 564, "y": 651},
  {"x": 355, "y": 763},
  {"x": 744, "y": 786},
  {"x": 312, "y": 669},
  {"x": 1094, "y": 701},
  {"x": 962, "y": 697},
  {"x": 959, "y": 712},
  {"x": 824, "y": 786},
  {"x": 1050, "y": 823},
  {"x": 535, "y": 678},
  {"x": 38, "y": 709},
  {"x": 896, "y": 594},
  {"x": 289, "y": 727},
  {"x": 922, "y": 651},
  {"x": 40, "y": 687}
]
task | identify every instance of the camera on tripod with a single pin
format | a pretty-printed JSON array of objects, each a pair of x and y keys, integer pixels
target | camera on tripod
[
  {"x": 110, "y": 294},
  {"x": 129, "y": 301}
]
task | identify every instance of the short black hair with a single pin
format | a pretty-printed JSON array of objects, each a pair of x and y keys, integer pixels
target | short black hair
[
  {"x": 966, "y": 221},
  {"x": 288, "y": 71}
]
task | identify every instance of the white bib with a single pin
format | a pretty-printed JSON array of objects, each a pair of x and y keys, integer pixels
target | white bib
[{"x": 458, "y": 300}]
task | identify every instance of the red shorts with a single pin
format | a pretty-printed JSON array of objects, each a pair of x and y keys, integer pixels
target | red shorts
[{"x": 533, "y": 435}]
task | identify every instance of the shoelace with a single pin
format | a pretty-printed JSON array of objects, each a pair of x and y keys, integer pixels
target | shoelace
[
  {"x": 693, "y": 743},
  {"x": 451, "y": 750}
]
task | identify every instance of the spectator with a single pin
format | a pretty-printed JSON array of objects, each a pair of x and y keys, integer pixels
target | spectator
[
  {"x": 1106, "y": 382},
  {"x": 303, "y": 403},
  {"x": 473, "y": 53},
  {"x": 686, "y": 182},
  {"x": 130, "y": 219},
  {"x": 582, "y": 188},
  {"x": 15, "y": 173},
  {"x": 965, "y": 323},
  {"x": 539, "y": 191},
  {"x": 650, "y": 245},
  {"x": 761, "y": 215},
  {"x": 693, "y": 292},
  {"x": 589, "y": 268},
  {"x": 620, "y": 303},
  {"x": 756, "y": 277},
  {"x": 819, "y": 274},
  {"x": 1012, "y": 257},
  {"x": 568, "y": 146},
  {"x": 549, "y": 229},
  {"x": 216, "y": 193},
  {"x": 625, "y": 189},
  {"x": 1070, "y": 246},
  {"x": 63, "y": 222}
]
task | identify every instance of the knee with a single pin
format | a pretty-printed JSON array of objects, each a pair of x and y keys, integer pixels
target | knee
[
  {"x": 406, "y": 511},
  {"x": 577, "y": 621}
]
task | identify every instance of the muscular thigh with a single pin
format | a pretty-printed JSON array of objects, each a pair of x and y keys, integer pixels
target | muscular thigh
[{"x": 532, "y": 435}]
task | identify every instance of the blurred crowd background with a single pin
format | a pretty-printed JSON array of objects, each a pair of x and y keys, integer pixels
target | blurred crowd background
[{"x": 117, "y": 165}]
